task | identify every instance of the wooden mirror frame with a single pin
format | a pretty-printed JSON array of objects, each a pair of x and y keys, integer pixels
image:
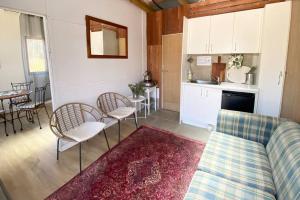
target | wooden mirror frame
[{"x": 88, "y": 19}]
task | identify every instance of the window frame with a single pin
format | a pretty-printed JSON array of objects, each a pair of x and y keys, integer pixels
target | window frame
[{"x": 45, "y": 55}]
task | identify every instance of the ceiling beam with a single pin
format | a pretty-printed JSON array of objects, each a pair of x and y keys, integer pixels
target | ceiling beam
[
  {"x": 142, "y": 5},
  {"x": 182, "y": 2}
]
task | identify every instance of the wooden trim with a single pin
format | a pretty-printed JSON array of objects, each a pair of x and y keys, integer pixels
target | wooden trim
[
  {"x": 88, "y": 20},
  {"x": 214, "y": 7},
  {"x": 291, "y": 92},
  {"x": 142, "y": 5}
]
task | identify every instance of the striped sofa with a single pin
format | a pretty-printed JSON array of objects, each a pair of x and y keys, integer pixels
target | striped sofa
[{"x": 249, "y": 157}]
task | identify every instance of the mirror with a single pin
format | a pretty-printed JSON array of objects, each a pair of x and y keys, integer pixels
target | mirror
[{"x": 106, "y": 39}]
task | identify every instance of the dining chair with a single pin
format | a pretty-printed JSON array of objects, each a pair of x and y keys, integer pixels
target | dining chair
[
  {"x": 21, "y": 86},
  {"x": 77, "y": 122},
  {"x": 116, "y": 106},
  {"x": 33, "y": 107},
  {"x": 3, "y": 116}
]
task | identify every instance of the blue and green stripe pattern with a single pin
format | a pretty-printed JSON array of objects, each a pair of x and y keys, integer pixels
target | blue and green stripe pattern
[
  {"x": 206, "y": 186},
  {"x": 239, "y": 160},
  {"x": 284, "y": 155}
]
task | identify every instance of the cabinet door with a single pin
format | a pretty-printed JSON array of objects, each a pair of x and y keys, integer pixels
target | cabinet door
[
  {"x": 192, "y": 112},
  {"x": 221, "y": 33},
  {"x": 198, "y": 35},
  {"x": 274, "y": 49},
  {"x": 247, "y": 31},
  {"x": 212, "y": 99}
]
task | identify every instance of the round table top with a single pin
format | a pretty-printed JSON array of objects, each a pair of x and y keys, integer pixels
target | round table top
[{"x": 139, "y": 99}]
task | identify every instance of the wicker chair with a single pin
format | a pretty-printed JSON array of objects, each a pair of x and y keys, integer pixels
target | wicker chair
[
  {"x": 76, "y": 122},
  {"x": 33, "y": 107},
  {"x": 116, "y": 106},
  {"x": 3, "y": 116},
  {"x": 21, "y": 86}
]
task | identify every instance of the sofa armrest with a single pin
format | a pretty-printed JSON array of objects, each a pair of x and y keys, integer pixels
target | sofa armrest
[{"x": 249, "y": 126}]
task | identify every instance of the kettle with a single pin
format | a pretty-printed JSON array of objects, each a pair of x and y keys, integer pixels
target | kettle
[
  {"x": 147, "y": 76},
  {"x": 148, "y": 79},
  {"x": 250, "y": 78}
]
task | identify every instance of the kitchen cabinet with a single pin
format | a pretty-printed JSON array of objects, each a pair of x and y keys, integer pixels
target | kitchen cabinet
[
  {"x": 238, "y": 32},
  {"x": 274, "y": 50},
  {"x": 198, "y": 35},
  {"x": 221, "y": 33},
  {"x": 200, "y": 105},
  {"x": 247, "y": 31}
]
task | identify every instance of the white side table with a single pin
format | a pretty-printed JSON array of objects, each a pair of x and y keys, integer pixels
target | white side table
[
  {"x": 136, "y": 102},
  {"x": 148, "y": 91}
]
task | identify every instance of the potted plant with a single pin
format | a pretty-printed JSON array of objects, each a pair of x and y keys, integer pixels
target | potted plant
[{"x": 137, "y": 89}]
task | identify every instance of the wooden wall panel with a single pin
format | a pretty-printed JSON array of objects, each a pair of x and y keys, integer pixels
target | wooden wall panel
[
  {"x": 214, "y": 7},
  {"x": 172, "y": 20},
  {"x": 154, "y": 61},
  {"x": 154, "y": 28},
  {"x": 291, "y": 93}
]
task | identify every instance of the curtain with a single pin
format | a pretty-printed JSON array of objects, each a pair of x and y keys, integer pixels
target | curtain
[{"x": 32, "y": 30}]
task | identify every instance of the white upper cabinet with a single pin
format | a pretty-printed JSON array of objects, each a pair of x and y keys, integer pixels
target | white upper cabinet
[
  {"x": 198, "y": 35},
  {"x": 238, "y": 32},
  {"x": 247, "y": 31},
  {"x": 221, "y": 33}
]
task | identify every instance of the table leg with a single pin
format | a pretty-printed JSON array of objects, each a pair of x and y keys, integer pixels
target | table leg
[
  {"x": 12, "y": 114},
  {"x": 155, "y": 100},
  {"x": 135, "y": 105},
  {"x": 148, "y": 103},
  {"x": 145, "y": 108}
]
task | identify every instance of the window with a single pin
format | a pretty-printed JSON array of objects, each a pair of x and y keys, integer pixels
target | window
[{"x": 36, "y": 55}]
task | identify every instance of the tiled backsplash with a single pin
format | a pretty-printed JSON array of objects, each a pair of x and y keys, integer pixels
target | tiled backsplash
[{"x": 204, "y": 72}]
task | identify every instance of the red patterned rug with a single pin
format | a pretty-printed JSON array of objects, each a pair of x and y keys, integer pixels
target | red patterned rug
[{"x": 148, "y": 164}]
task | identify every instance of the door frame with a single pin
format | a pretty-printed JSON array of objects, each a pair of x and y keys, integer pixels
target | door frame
[{"x": 47, "y": 46}]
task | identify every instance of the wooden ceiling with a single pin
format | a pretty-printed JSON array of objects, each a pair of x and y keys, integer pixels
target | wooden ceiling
[
  {"x": 197, "y": 8},
  {"x": 155, "y": 5}
]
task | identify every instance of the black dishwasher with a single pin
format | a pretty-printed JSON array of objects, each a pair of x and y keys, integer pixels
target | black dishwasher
[{"x": 238, "y": 101}]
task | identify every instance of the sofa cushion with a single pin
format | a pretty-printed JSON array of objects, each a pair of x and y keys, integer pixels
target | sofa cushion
[
  {"x": 238, "y": 160},
  {"x": 249, "y": 126},
  {"x": 208, "y": 186},
  {"x": 284, "y": 155}
]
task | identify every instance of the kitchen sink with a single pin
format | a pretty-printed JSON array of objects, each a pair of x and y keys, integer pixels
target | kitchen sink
[{"x": 204, "y": 82}]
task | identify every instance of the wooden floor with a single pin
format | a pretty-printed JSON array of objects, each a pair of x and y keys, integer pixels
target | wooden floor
[{"x": 28, "y": 165}]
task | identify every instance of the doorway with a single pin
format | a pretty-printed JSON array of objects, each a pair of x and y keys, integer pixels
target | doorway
[{"x": 23, "y": 51}]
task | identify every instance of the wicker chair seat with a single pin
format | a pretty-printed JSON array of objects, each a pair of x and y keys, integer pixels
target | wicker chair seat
[
  {"x": 121, "y": 112},
  {"x": 85, "y": 131}
]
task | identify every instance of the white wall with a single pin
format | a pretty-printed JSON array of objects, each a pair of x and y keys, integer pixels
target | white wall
[
  {"x": 74, "y": 76},
  {"x": 11, "y": 64}
]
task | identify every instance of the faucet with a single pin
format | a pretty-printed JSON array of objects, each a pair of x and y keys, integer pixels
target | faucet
[{"x": 216, "y": 79}]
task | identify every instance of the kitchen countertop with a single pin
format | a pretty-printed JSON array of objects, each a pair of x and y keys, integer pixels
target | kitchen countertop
[{"x": 236, "y": 87}]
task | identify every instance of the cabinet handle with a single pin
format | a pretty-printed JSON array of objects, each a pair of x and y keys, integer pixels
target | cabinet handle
[
  {"x": 211, "y": 48},
  {"x": 279, "y": 77},
  {"x": 235, "y": 47}
]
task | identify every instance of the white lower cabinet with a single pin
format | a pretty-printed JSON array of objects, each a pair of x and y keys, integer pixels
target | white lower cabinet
[{"x": 200, "y": 105}]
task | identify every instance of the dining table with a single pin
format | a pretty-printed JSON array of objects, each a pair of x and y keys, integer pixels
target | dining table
[{"x": 10, "y": 95}]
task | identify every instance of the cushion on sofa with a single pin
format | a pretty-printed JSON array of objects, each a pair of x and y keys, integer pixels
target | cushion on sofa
[
  {"x": 238, "y": 160},
  {"x": 249, "y": 126},
  {"x": 284, "y": 154},
  {"x": 208, "y": 186}
]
